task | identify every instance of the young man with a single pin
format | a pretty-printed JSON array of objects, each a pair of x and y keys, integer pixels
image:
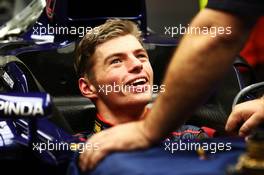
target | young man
[
  {"x": 115, "y": 73},
  {"x": 108, "y": 60}
]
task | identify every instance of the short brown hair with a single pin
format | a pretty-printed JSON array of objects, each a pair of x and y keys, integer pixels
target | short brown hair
[{"x": 112, "y": 28}]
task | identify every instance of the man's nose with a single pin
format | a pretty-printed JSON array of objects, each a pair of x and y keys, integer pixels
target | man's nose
[{"x": 134, "y": 64}]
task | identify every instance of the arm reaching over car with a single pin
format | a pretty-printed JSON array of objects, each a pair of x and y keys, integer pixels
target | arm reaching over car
[{"x": 115, "y": 139}]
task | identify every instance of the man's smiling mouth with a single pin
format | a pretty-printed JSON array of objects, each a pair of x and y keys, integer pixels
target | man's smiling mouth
[
  {"x": 137, "y": 81},
  {"x": 137, "y": 85}
]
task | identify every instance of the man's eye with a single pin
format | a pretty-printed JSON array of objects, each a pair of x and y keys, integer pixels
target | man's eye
[
  {"x": 115, "y": 61},
  {"x": 142, "y": 56}
]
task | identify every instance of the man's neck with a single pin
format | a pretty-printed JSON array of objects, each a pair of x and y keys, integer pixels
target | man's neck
[{"x": 119, "y": 115}]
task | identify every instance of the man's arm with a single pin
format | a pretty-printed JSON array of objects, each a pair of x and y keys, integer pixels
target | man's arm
[{"x": 198, "y": 64}]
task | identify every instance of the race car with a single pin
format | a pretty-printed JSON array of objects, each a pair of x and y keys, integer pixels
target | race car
[{"x": 27, "y": 51}]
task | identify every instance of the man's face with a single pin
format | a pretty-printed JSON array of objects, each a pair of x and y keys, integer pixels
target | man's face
[{"x": 122, "y": 72}]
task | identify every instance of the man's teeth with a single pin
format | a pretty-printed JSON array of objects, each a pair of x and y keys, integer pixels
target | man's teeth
[{"x": 140, "y": 80}]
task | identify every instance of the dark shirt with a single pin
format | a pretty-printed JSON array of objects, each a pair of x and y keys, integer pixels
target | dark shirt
[{"x": 184, "y": 132}]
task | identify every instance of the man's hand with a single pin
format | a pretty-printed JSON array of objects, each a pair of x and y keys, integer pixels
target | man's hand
[
  {"x": 250, "y": 113},
  {"x": 123, "y": 137}
]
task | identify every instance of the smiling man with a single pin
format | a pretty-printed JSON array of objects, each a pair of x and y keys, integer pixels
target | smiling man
[{"x": 115, "y": 73}]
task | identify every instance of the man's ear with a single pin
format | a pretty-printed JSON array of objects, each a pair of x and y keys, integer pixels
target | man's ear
[{"x": 87, "y": 88}]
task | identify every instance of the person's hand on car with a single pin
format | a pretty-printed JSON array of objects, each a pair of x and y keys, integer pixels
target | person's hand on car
[
  {"x": 123, "y": 137},
  {"x": 250, "y": 114}
]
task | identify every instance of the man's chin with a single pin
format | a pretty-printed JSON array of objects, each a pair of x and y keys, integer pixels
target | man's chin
[
  {"x": 137, "y": 103},
  {"x": 139, "y": 98},
  {"x": 139, "y": 95}
]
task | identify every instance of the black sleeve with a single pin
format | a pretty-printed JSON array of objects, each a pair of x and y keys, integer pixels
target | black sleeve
[{"x": 245, "y": 8}]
